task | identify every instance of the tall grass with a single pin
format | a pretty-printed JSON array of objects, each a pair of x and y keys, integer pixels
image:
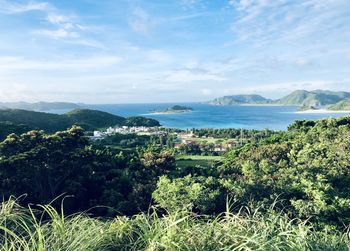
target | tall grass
[{"x": 47, "y": 229}]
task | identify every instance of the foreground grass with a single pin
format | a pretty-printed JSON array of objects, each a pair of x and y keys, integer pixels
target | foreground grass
[{"x": 24, "y": 229}]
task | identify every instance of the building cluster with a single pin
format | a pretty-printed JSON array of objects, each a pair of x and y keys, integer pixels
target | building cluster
[
  {"x": 139, "y": 130},
  {"x": 191, "y": 140},
  {"x": 181, "y": 139}
]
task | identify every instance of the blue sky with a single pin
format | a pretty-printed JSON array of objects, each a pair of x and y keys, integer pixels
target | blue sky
[{"x": 126, "y": 51}]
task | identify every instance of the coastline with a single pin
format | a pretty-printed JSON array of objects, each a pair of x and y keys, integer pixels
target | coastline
[
  {"x": 322, "y": 111},
  {"x": 165, "y": 113}
]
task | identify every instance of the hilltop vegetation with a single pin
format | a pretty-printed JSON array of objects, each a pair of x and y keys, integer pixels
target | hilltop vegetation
[
  {"x": 176, "y": 109},
  {"x": 282, "y": 191},
  {"x": 87, "y": 119},
  {"x": 297, "y": 98},
  {"x": 240, "y": 100},
  {"x": 340, "y": 106}
]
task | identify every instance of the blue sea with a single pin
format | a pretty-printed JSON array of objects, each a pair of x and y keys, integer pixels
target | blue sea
[{"x": 209, "y": 116}]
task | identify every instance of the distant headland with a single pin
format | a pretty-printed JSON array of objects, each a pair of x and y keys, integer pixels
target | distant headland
[{"x": 316, "y": 101}]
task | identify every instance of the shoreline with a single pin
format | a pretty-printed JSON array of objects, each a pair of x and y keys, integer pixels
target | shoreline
[
  {"x": 165, "y": 113},
  {"x": 322, "y": 111}
]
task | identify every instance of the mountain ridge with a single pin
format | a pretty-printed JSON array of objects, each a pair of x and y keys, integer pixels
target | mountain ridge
[{"x": 317, "y": 98}]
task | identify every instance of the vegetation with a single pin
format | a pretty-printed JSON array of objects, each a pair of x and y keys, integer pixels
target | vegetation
[
  {"x": 47, "y": 229},
  {"x": 297, "y": 98},
  {"x": 7, "y": 128},
  {"x": 87, "y": 119},
  {"x": 141, "y": 121},
  {"x": 278, "y": 191},
  {"x": 176, "y": 109},
  {"x": 239, "y": 100},
  {"x": 340, "y": 106}
]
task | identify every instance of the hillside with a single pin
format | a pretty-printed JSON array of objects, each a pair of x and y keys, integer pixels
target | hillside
[
  {"x": 340, "y": 106},
  {"x": 304, "y": 98},
  {"x": 88, "y": 119},
  {"x": 240, "y": 100},
  {"x": 39, "y": 106},
  {"x": 313, "y": 98},
  {"x": 91, "y": 119}
]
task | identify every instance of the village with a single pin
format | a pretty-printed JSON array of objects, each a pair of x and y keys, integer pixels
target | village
[{"x": 184, "y": 139}]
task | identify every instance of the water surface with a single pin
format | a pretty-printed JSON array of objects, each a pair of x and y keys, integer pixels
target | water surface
[{"x": 209, "y": 116}]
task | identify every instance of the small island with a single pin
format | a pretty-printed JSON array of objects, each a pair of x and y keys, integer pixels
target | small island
[{"x": 175, "y": 109}]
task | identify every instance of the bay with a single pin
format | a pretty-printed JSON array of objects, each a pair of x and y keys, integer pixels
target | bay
[{"x": 210, "y": 116}]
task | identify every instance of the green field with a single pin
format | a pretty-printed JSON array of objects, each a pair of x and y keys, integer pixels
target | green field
[{"x": 197, "y": 160}]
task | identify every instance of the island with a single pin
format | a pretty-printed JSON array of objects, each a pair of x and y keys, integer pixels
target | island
[
  {"x": 301, "y": 98},
  {"x": 174, "y": 109}
]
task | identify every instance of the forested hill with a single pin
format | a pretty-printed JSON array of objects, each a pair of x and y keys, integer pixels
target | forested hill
[
  {"x": 298, "y": 98},
  {"x": 240, "y": 100},
  {"x": 88, "y": 119},
  {"x": 313, "y": 98}
]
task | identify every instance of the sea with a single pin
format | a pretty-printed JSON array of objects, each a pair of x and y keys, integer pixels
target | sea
[{"x": 211, "y": 116}]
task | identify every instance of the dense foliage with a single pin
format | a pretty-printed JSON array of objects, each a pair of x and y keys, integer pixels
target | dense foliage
[
  {"x": 141, "y": 121},
  {"x": 303, "y": 172},
  {"x": 7, "y": 128},
  {"x": 46, "y": 166}
]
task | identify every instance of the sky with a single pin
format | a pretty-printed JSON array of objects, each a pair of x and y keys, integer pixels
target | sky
[{"x": 147, "y": 51}]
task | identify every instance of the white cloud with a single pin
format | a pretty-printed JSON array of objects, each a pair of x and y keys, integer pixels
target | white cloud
[
  {"x": 11, "y": 7},
  {"x": 17, "y": 92},
  {"x": 287, "y": 87},
  {"x": 206, "y": 92},
  {"x": 57, "y": 34},
  {"x": 55, "y": 18},
  {"x": 188, "y": 75},
  {"x": 267, "y": 21},
  {"x": 158, "y": 56},
  {"x": 141, "y": 22},
  {"x": 8, "y": 64},
  {"x": 303, "y": 62},
  {"x": 63, "y": 26}
]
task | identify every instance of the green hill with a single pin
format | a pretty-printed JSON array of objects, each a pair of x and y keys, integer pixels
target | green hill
[
  {"x": 141, "y": 121},
  {"x": 37, "y": 120},
  {"x": 298, "y": 98},
  {"x": 313, "y": 98},
  {"x": 88, "y": 119},
  {"x": 7, "y": 128},
  {"x": 340, "y": 106},
  {"x": 240, "y": 100},
  {"x": 91, "y": 119}
]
